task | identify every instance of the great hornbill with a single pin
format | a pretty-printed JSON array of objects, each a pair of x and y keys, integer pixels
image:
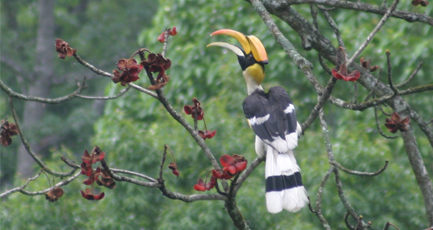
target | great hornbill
[{"x": 272, "y": 117}]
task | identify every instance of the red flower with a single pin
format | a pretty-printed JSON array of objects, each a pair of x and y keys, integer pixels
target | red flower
[
  {"x": 195, "y": 111},
  {"x": 171, "y": 32},
  {"x": 63, "y": 49},
  {"x": 340, "y": 72},
  {"x": 7, "y": 130},
  {"x": 96, "y": 156},
  {"x": 88, "y": 194},
  {"x": 106, "y": 180},
  {"x": 130, "y": 71},
  {"x": 173, "y": 168},
  {"x": 233, "y": 165},
  {"x": 161, "y": 37},
  {"x": 206, "y": 134},
  {"x": 211, "y": 183},
  {"x": 54, "y": 194},
  {"x": 219, "y": 174},
  {"x": 396, "y": 123},
  {"x": 200, "y": 186},
  {"x": 93, "y": 176},
  {"x": 156, "y": 63},
  {"x": 86, "y": 169}
]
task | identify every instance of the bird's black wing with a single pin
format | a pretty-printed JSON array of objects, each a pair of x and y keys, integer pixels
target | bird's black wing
[{"x": 272, "y": 117}]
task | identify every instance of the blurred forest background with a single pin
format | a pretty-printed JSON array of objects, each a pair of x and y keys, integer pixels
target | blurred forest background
[{"x": 133, "y": 129}]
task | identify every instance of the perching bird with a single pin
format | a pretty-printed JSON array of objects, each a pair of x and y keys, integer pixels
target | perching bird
[{"x": 272, "y": 117}]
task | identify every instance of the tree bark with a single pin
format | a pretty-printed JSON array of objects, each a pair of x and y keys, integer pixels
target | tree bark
[{"x": 38, "y": 83}]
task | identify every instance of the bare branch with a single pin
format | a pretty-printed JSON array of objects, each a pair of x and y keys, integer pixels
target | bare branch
[
  {"x": 319, "y": 198},
  {"x": 17, "y": 189},
  {"x": 417, "y": 89},
  {"x": 11, "y": 93},
  {"x": 122, "y": 92},
  {"x": 141, "y": 89},
  {"x": 41, "y": 192},
  {"x": 322, "y": 98},
  {"x": 189, "y": 198},
  {"x": 91, "y": 67},
  {"x": 152, "y": 184}
]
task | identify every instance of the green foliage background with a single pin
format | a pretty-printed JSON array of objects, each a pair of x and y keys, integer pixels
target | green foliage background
[{"x": 134, "y": 128}]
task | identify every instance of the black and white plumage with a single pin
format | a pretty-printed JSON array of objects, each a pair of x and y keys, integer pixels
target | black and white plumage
[{"x": 272, "y": 117}]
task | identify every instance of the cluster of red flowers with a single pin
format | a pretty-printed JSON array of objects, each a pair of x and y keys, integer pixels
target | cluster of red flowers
[
  {"x": 197, "y": 113},
  {"x": 396, "y": 123},
  {"x": 63, "y": 49},
  {"x": 420, "y": 2},
  {"x": 232, "y": 165},
  {"x": 340, "y": 72},
  {"x": 94, "y": 175},
  {"x": 7, "y": 130},
  {"x": 156, "y": 63},
  {"x": 130, "y": 71}
]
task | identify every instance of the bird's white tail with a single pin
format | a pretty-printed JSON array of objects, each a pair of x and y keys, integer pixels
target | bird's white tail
[{"x": 284, "y": 188}]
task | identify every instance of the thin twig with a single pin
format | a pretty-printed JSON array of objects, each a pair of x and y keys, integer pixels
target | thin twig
[
  {"x": 391, "y": 84},
  {"x": 358, "y": 173},
  {"x": 389, "y": 224},
  {"x": 164, "y": 155},
  {"x": 23, "y": 97},
  {"x": 17, "y": 189},
  {"x": 335, "y": 27},
  {"x": 165, "y": 46},
  {"x": 324, "y": 8},
  {"x": 321, "y": 100},
  {"x": 247, "y": 172},
  {"x": 28, "y": 148},
  {"x": 412, "y": 75},
  {"x": 346, "y": 221},
  {"x": 41, "y": 192},
  {"x": 376, "y": 84},
  {"x": 141, "y": 89},
  {"x": 378, "y": 125},
  {"x": 313, "y": 12},
  {"x": 319, "y": 198},
  {"x": 373, "y": 33},
  {"x": 91, "y": 67},
  {"x": 122, "y": 92}
]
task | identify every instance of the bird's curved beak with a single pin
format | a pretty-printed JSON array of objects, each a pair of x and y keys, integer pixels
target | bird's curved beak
[{"x": 250, "y": 44}]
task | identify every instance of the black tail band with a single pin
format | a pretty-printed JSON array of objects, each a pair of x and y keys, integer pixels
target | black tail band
[{"x": 283, "y": 182}]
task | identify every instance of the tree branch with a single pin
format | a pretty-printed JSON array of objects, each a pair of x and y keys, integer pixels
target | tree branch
[{"x": 11, "y": 93}]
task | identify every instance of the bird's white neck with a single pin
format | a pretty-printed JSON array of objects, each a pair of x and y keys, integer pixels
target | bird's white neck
[{"x": 252, "y": 85}]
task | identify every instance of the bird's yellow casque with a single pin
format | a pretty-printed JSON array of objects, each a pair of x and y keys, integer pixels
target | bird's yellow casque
[{"x": 272, "y": 117}]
